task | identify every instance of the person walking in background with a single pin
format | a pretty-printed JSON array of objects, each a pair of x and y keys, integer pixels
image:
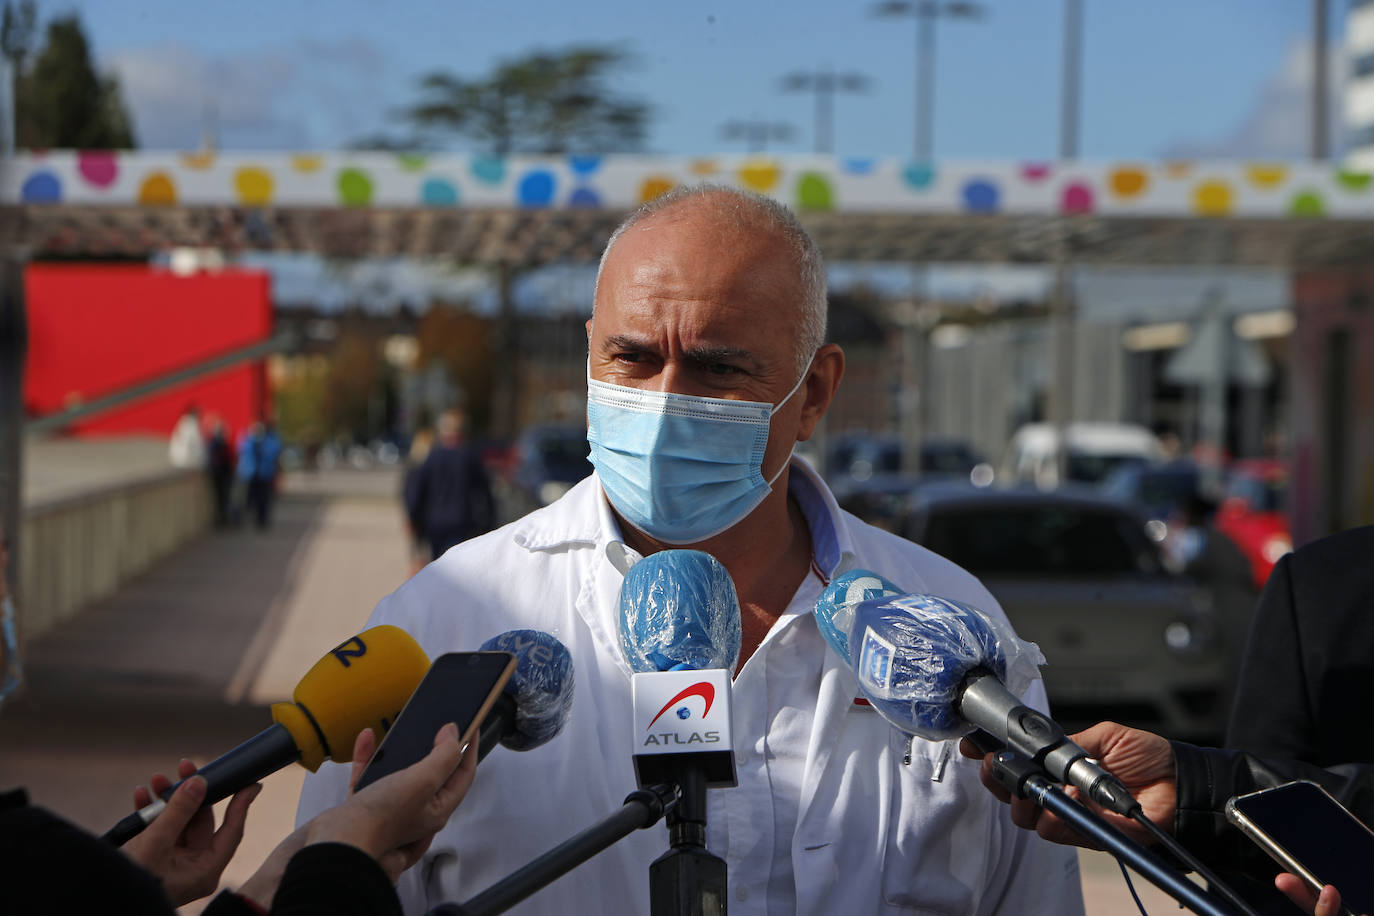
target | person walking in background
[
  {"x": 448, "y": 498},
  {"x": 187, "y": 446},
  {"x": 420, "y": 444},
  {"x": 259, "y": 453},
  {"x": 219, "y": 465}
]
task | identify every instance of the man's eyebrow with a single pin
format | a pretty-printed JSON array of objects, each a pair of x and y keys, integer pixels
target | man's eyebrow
[
  {"x": 704, "y": 355},
  {"x": 625, "y": 342}
]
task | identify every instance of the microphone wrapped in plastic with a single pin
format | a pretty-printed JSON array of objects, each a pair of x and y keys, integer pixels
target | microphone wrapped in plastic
[
  {"x": 681, "y": 632},
  {"x": 537, "y": 699},
  {"x": 939, "y": 669}
]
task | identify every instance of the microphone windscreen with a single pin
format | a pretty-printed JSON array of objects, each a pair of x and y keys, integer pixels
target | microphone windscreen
[
  {"x": 911, "y": 654},
  {"x": 542, "y": 685},
  {"x": 679, "y": 610},
  {"x": 835, "y": 606},
  {"x": 362, "y": 683}
]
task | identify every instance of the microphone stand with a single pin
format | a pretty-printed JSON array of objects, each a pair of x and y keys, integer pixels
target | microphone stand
[
  {"x": 1024, "y": 778},
  {"x": 642, "y": 809},
  {"x": 688, "y": 879}
]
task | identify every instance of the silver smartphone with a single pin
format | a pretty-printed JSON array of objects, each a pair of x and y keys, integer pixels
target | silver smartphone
[{"x": 1313, "y": 836}]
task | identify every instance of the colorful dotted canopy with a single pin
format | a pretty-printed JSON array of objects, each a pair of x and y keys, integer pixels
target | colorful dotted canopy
[{"x": 814, "y": 184}]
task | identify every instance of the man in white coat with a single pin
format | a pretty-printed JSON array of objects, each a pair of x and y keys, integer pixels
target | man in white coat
[{"x": 707, "y": 364}]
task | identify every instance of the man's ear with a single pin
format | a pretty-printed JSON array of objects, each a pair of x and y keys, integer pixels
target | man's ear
[
  {"x": 589, "y": 330},
  {"x": 822, "y": 380}
]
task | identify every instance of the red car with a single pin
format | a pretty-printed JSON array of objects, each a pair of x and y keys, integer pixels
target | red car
[{"x": 1251, "y": 514}]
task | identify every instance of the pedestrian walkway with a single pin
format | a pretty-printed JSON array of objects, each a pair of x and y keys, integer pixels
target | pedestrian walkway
[{"x": 187, "y": 658}]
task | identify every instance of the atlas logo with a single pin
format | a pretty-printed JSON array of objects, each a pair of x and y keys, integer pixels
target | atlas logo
[{"x": 703, "y": 689}]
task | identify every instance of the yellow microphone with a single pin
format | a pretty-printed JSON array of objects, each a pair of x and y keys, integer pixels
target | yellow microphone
[{"x": 361, "y": 683}]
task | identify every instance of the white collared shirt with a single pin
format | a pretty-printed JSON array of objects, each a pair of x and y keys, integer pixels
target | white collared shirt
[{"x": 829, "y": 800}]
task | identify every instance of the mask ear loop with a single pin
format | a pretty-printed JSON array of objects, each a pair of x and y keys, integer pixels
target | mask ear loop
[{"x": 793, "y": 450}]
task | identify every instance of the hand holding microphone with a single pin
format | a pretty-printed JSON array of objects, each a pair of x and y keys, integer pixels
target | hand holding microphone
[{"x": 362, "y": 683}]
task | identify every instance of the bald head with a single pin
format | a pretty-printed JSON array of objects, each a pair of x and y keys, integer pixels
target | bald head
[{"x": 733, "y": 213}]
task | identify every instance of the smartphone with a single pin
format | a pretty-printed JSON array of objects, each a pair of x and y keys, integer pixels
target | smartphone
[
  {"x": 1313, "y": 836},
  {"x": 460, "y": 687}
]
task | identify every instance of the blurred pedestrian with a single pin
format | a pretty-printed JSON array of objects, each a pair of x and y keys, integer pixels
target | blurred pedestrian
[
  {"x": 11, "y": 671},
  {"x": 219, "y": 465},
  {"x": 259, "y": 456},
  {"x": 187, "y": 446},
  {"x": 420, "y": 445},
  {"x": 449, "y": 500}
]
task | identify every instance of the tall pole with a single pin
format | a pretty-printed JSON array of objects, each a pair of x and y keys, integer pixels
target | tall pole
[
  {"x": 925, "y": 82},
  {"x": 1073, "y": 66},
  {"x": 1320, "y": 152},
  {"x": 1063, "y": 327}
]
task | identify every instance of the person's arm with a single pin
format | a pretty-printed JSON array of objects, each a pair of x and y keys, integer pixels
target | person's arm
[{"x": 392, "y": 821}]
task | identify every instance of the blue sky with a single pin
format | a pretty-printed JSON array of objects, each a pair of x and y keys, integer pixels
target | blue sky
[{"x": 1170, "y": 77}]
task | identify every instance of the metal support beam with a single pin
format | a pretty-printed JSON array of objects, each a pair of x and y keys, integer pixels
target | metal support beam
[{"x": 13, "y": 346}]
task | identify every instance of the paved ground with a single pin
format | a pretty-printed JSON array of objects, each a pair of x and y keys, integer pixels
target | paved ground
[{"x": 185, "y": 660}]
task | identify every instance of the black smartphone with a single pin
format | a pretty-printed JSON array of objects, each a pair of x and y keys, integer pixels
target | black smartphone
[
  {"x": 1313, "y": 836},
  {"x": 460, "y": 687}
]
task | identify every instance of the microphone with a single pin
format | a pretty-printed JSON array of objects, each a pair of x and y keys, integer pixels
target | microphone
[
  {"x": 537, "y": 699},
  {"x": 361, "y": 683},
  {"x": 939, "y": 668},
  {"x": 835, "y": 607},
  {"x": 681, "y": 632}
]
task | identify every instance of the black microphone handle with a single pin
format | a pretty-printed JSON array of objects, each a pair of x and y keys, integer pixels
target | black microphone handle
[
  {"x": 499, "y": 723},
  {"x": 260, "y": 756}
]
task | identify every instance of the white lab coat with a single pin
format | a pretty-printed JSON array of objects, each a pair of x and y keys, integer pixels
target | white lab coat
[{"x": 874, "y": 834}]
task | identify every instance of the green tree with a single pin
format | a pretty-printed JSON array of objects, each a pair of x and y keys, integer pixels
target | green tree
[
  {"x": 545, "y": 102},
  {"x": 60, "y": 99}
]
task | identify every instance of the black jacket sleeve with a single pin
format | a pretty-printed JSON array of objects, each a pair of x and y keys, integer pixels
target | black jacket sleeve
[{"x": 1208, "y": 777}]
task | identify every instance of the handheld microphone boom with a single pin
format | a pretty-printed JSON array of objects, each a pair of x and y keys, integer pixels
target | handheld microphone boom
[
  {"x": 361, "y": 683},
  {"x": 936, "y": 668}
]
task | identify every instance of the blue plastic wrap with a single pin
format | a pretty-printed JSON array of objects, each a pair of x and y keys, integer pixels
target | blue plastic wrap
[
  {"x": 542, "y": 685},
  {"x": 679, "y": 610},
  {"x": 911, "y": 654},
  {"x": 835, "y": 607}
]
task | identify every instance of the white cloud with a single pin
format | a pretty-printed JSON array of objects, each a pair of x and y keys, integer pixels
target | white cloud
[
  {"x": 1278, "y": 125},
  {"x": 310, "y": 95}
]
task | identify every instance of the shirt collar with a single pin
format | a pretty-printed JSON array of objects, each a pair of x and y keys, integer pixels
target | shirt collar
[{"x": 832, "y": 547}]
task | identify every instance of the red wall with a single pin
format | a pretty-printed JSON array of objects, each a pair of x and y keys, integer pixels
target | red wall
[{"x": 95, "y": 329}]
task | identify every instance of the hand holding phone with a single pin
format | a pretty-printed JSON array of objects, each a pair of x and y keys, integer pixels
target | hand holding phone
[
  {"x": 1312, "y": 836},
  {"x": 460, "y": 687}
]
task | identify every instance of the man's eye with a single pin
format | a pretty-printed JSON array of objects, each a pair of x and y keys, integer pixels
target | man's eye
[{"x": 721, "y": 369}]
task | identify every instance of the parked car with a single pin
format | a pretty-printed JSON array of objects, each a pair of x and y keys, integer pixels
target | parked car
[
  {"x": 1094, "y": 451},
  {"x": 1252, "y": 514},
  {"x": 549, "y": 459},
  {"x": 865, "y": 473},
  {"x": 1077, "y": 574}
]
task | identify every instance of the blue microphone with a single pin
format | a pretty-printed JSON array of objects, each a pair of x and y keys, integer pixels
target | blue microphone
[
  {"x": 536, "y": 701},
  {"x": 681, "y": 633},
  {"x": 939, "y": 669},
  {"x": 835, "y": 607}
]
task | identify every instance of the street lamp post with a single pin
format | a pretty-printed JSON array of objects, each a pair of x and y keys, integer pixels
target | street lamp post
[
  {"x": 756, "y": 132},
  {"x": 824, "y": 84},
  {"x": 926, "y": 12}
]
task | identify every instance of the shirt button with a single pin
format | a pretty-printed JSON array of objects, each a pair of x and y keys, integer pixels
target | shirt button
[{"x": 741, "y": 893}]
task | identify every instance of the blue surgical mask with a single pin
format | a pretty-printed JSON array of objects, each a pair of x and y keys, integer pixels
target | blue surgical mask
[{"x": 679, "y": 468}]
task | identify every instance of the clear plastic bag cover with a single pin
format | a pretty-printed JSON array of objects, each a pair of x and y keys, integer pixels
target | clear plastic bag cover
[
  {"x": 679, "y": 610},
  {"x": 835, "y": 606},
  {"x": 911, "y": 654},
  {"x": 542, "y": 685}
]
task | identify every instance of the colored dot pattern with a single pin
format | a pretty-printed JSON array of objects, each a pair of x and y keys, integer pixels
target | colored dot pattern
[
  {"x": 760, "y": 175},
  {"x": 1128, "y": 182},
  {"x": 99, "y": 168},
  {"x": 355, "y": 188},
  {"x": 253, "y": 186},
  {"x": 814, "y": 193},
  {"x": 589, "y": 182},
  {"x": 1212, "y": 198},
  {"x": 157, "y": 190}
]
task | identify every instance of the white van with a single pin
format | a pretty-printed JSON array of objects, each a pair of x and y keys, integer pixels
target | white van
[{"x": 1094, "y": 449}]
